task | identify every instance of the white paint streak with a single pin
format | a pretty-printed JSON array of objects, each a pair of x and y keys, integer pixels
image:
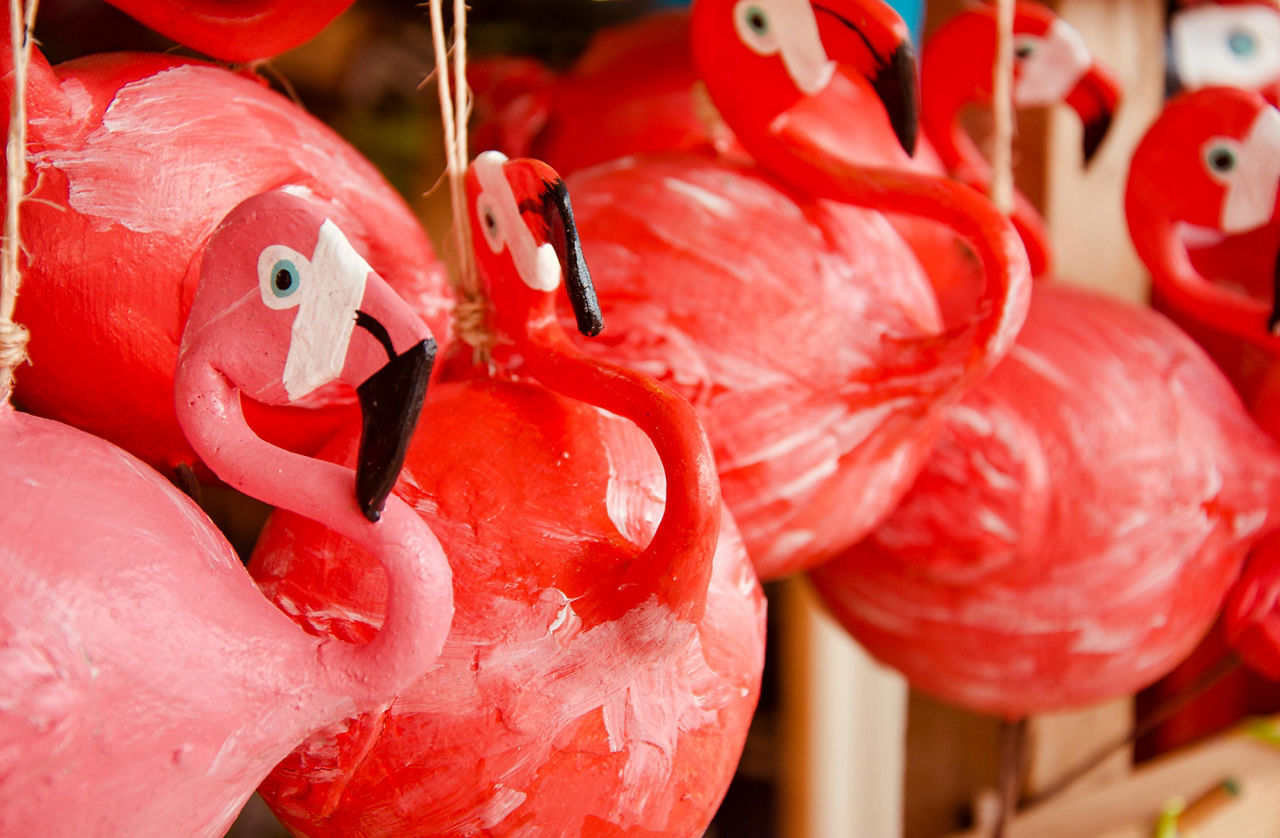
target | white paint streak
[{"x": 711, "y": 202}]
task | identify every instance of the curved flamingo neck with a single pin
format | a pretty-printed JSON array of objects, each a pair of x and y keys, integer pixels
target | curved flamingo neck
[
  {"x": 420, "y": 596},
  {"x": 676, "y": 564},
  {"x": 1175, "y": 278},
  {"x": 941, "y": 110},
  {"x": 1001, "y": 307}
]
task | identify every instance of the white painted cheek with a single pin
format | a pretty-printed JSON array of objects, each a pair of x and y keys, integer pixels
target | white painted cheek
[
  {"x": 793, "y": 31},
  {"x": 1251, "y": 196},
  {"x": 1053, "y": 70},
  {"x": 326, "y": 314},
  {"x": 1201, "y": 39}
]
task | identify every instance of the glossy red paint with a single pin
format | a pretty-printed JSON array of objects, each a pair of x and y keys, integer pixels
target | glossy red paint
[
  {"x": 134, "y": 159},
  {"x": 149, "y": 686},
  {"x": 236, "y": 30},
  {"x": 605, "y": 660},
  {"x": 1077, "y": 526}
]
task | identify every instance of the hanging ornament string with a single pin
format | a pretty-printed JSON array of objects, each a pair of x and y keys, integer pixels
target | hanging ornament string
[
  {"x": 470, "y": 320},
  {"x": 13, "y": 337},
  {"x": 1002, "y": 106}
]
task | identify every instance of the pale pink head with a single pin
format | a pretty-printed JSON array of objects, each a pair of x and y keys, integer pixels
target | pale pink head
[
  {"x": 286, "y": 306},
  {"x": 527, "y": 248},
  {"x": 758, "y": 58}
]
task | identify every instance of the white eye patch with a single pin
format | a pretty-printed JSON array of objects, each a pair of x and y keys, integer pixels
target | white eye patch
[
  {"x": 1232, "y": 46},
  {"x": 502, "y": 227},
  {"x": 769, "y": 27},
  {"x": 326, "y": 289},
  {"x": 1255, "y": 177},
  {"x": 1052, "y": 67}
]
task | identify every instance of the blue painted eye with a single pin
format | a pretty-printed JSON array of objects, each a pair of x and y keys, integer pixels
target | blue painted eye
[
  {"x": 285, "y": 278},
  {"x": 1242, "y": 43}
]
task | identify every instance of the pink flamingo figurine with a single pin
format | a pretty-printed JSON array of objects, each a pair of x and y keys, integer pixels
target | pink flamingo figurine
[
  {"x": 589, "y": 686},
  {"x": 149, "y": 687},
  {"x": 236, "y": 30},
  {"x": 134, "y": 159},
  {"x": 1087, "y": 508}
]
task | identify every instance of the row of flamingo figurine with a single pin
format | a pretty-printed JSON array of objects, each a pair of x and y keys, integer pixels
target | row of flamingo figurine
[{"x": 554, "y": 626}]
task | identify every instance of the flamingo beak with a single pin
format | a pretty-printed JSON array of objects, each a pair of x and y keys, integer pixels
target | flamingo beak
[
  {"x": 871, "y": 37},
  {"x": 564, "y": 238},
  {"x": 1094, "y": 98},
  {"x": 391, "y": 398}
]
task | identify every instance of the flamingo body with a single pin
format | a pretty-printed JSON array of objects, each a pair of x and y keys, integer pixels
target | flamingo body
[
  {"x": 149, "y": 686},
  {"x": 134, "y": 161},
  {"x": 1077, "y": 526},
  {"x": 804, "y": 409},
  {"x": 539, "y": 713},
  {"x": 236, "y": 30}
]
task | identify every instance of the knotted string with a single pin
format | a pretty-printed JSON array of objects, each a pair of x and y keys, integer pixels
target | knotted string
[
  {"x": 13, "y": 337},
  {"x": 470, "y": 313},
  {"x": 1002, "y": 105}
]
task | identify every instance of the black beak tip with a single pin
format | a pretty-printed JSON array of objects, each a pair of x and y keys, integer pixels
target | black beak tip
[
  {"x": 590, "y": 323},
  {"x": 898, "y": 90},
  {"x": 391, "y": 401},
  {"x": 1095, "y": 132}
]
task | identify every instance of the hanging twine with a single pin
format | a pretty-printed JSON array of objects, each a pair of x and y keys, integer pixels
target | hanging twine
[
  {"x": 470, "y": 313},
  {"x": 1002, "y": 105},
  {"x": 13, "y": 337}
]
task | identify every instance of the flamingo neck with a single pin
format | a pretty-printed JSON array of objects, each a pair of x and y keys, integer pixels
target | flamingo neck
[
  {"x": 420, "y": 595},
  {"x": 676, "y": 564},
  {"x": 1002, "y": 305},
  {"x": 1176, "y": 279},
  {"x": 960, "y": 155}
]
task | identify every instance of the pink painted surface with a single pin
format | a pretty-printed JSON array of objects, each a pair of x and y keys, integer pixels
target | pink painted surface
[
  {"x": 149, "y": 686},
  {"x": 1078, "y": 525},
  {"x": 236, "y": 30},
  {"x": 134, "y": 159},
  {"x": 605, "y": 659}
]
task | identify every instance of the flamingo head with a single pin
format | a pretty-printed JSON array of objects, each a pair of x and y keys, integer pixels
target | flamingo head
[
  {"x": 526, "y": 246},
  {"x": 1211, "y": 161},
  {"x": 286, "y": 307},
  {"x": 1224, "y": 44},
  {"x": 758, "y": 58},
  {"x": 1052, "y": 65}
]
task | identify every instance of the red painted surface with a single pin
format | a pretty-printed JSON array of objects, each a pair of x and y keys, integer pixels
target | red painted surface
[
  {"x": 134, "y": 159},
  {"x": 742, "y": 288},
  {"x": 149, "y": 686},
  {"x": 605, "y": 659},
  {"x": 236, "y": 30},
  {"x": 1075, "y": 530}
]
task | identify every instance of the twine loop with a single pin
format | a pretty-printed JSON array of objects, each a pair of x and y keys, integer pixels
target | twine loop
[{"x": 13, "y": 344}]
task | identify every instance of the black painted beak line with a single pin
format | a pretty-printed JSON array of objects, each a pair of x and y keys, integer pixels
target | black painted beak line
[
  {"x": 563, "y": 232},
  {"x": 896, "y": 83},
  {"x": 1273, "y": 322},
  {"x": 1095, "y": 132},
  {"x": 897, "y": 87},
  {"x": 390, "y": 402}
]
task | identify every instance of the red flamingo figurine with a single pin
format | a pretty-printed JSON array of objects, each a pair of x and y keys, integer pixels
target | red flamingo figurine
[
  {"x": 704, "y": 264},
  {"x": 1230, "y": 174},
  {"x": 589, "y": 686},
  {"x": 1229, "y": 44},
  {"x": 1052, "y": 65},
  {"x": 149, "y": 686},
  {"x": 134, "y": 159},
  {"x": 235, "y": 30},
  {"x": 1087, "y": 508}
]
